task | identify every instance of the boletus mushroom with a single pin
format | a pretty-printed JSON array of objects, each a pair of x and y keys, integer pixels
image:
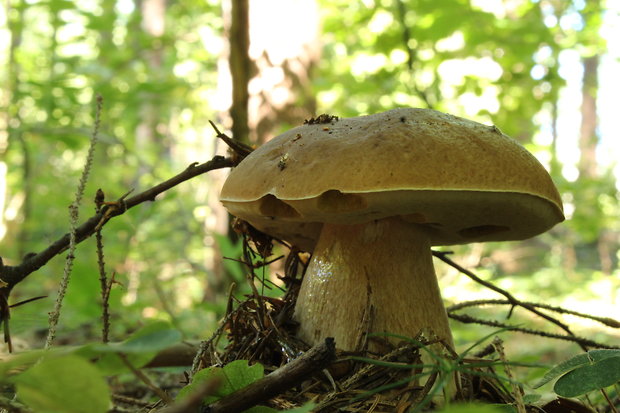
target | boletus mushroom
[{"x": 370, "y": 195}]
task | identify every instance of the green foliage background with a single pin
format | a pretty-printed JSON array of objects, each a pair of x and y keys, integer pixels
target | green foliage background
[{"x": 63, "y": 53}]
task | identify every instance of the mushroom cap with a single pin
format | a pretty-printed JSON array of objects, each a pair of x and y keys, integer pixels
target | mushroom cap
[{"x": 463, "y": 181}]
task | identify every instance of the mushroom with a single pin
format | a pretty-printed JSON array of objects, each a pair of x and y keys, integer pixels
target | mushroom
[{"x": 370, "y": 195}]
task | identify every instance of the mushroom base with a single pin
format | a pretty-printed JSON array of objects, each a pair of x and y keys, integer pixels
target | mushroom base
[{"x": 370, "y": 278}]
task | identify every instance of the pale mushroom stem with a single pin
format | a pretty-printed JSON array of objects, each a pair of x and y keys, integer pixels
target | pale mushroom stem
[{"x": 370, "y": 278}]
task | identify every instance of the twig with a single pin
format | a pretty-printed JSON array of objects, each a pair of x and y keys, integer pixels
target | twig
[
  {"x": 126, "y": 400},
  {"x": 513, "y": 301},
  {"x": 240, "y": 149},
  {"x": 583, "y": 342},
  {"x": 12, "y": 275},
  {"x": 145, "y": 379},
  {"x": 204, "y": 345},
  {"x": 609, "y": 322},
  {"x": 165, "y": 304},
  {"x": 411, "y": 53},
  {"x": 103, "y": 278},
  {"x": 73, "y": 221},
  {"x": 517, "y": 391},
  {"x": 282, "y": 379},
  {"x": 365, "y": 374}
]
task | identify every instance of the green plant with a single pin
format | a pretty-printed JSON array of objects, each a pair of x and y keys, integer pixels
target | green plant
[
  {"x": 72, "y": 379},
  {"x": 232, "y": 377},
  {"x": 583, "y": 373},
  {"x": 444, "y": 368}
]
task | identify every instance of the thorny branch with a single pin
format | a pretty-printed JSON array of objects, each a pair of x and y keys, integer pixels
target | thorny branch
[
  {"x": 12, "y": 275},
  {"x": 532, "y": 307},
  {"x": 583, "y": 342},
  {"x": 609, "y": 322}
]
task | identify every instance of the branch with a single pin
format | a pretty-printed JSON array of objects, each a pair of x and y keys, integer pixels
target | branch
[
  {"x": 583, "y": 342},
  {"x": 609, "y": 322},
  {"x": 239, "y": 149},
  {"x": 12, "y": 275},
  {"x": 282, "y": 379},
  {"x": 443, "y": 256}
]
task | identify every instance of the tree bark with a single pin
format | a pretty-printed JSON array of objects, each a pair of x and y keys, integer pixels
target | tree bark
[
  {"x": 588, "y": 138},
  {"x": 284, "y": 55},
  {"x": 240, "y": 68}
]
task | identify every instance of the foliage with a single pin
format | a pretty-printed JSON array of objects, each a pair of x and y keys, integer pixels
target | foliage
[
  {"x": 583, "y": 373},
  {"x": 232, "y": 377},
  {"x": 68, "y": 384},
  {"x": 63, "y": 54},
  {"x": 403, "y": 50},
  {"x": 445, "y": 367},
  {"x": 400, "y": 54},
  {"x": 66, "y": 380}
]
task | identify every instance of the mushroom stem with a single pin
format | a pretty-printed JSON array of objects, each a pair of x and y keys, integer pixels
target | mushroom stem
[{"x": 370, "y": 278}]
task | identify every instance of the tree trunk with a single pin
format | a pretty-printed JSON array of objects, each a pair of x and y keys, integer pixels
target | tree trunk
[
  {"x": 271, "y": 65},
  {"x": 588, "y": 142},
  {"x": 588, "y": 138},
  {"x": 240, "y": 68},
  {"x": 273, "y": 47},
  {"x": 284, "y": 52}
]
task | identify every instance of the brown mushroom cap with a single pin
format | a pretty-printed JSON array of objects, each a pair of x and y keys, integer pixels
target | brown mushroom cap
[{"x": 465, "y": 181}]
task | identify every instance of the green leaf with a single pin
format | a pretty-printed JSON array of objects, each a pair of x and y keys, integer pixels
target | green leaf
[
  {"x": 239, "y": 374},
  {"x": 152, "y": 338},
  {"x": 233, "y": 376},
  {"x": 18, "y": 362},
  {"x": 590, "y": 377},
  {"x": 531, "y": 398},
  {"x": 576, "y": 361},
  {"x": 139, "y": 348},
  {"x": 66, "y": 384},
  {"x": 210, "y": 373}
]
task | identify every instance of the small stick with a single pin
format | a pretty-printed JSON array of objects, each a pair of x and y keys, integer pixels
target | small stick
[
  {"x": 282, "y": 379},
  {"x": 145, "y": 379},
  {"x": 239, "y": 148}
]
